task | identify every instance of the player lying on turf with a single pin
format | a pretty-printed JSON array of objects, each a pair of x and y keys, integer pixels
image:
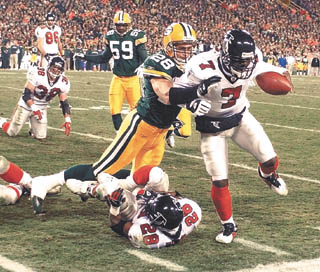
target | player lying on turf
[
  {"x": 140, "y": 207},
  {"x": 19, "y": 182},
  {"x": 138, "y": 211}
]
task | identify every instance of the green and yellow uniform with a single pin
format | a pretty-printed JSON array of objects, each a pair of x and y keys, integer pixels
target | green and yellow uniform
[
  {"x": 128, "y": 52},
  {"x": 140, "y": 139}
]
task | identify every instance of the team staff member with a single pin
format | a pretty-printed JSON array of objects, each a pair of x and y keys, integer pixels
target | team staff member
[{"x": 127, "y": 47}]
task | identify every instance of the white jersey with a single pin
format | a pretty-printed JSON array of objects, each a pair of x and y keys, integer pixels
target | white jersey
[
  {"x": 50, "y": 38},
  {"x": 44, "y": 90},
  {"x": 226, "y": 98},
  {"x": 143, "y": 235}
]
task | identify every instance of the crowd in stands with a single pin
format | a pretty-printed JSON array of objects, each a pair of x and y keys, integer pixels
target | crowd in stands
[{"x": 280, "y": 30}]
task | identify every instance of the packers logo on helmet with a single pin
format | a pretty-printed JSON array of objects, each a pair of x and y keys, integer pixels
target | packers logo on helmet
[
  {"x": 121, "y": 18},
  {"x": 175, "y": 36}
]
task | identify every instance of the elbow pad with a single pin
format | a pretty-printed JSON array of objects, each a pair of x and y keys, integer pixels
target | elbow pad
[
  {"x": 26, "y": 95},
  {"x": 182, "y": 95},
  {"x": 65, "y": 107}
]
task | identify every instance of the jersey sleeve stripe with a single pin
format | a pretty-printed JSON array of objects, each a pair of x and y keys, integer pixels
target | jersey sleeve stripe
[
  {"x": 155, "y": 73},
  {"x": 141, "y": 40}
]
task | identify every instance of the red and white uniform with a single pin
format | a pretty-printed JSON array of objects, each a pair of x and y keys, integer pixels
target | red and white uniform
[
  {"x": 44, "y": 92},
  {"x": 50, "y": 36},
  {"x": 228, "y": 99},
  {"x": 143, "y": 235}
]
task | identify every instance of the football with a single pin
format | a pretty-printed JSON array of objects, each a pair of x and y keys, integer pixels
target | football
[{"x": 273, "y": 83}]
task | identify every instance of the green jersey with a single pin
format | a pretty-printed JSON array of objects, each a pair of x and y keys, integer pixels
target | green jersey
[
  {"x": 126, "y": 51},
  {"x": 149, "y": 107}
]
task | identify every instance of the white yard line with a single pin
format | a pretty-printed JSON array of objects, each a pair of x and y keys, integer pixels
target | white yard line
[
  {"x": 13, "y": 266},
  {"x": 282, "y": 105},
  {"x": 154, "y": 260},
  {"x": 300, "y": 266},
  {"x": 256, "y": 246}
]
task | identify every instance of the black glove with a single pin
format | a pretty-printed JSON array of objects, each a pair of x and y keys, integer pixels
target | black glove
[
  {"x": 146, "y": 195},
  {"x": 204, "y": 84},
  {"x": 116, "y": 198},
  {"x": 47, "y": 57}
]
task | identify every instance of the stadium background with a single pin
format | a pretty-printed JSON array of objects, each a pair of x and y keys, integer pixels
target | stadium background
[{"x": 274, "y": 233}]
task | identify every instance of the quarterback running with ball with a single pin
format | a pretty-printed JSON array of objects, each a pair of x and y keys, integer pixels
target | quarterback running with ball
[{"x": 236, "y": 65}]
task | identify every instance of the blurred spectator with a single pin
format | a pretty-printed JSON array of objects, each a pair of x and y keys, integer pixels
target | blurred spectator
[
  {"x": 315, "y": 64},
  {"x": 5, "y": 56},
  {"x": 275, "y": 27},
  {"x": 14, "y": 51},
  {"x": 68, "y": 56}
]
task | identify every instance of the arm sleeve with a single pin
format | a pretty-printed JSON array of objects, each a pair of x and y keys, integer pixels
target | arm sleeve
[
  {"x": 101, "y": 58},
  {"x": 142, "y": 52}
]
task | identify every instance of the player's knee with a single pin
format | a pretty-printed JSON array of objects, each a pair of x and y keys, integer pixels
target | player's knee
[{"x": 9, "y": 194}]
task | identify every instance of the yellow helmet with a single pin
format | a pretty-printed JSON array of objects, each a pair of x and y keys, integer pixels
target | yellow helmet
[
  {"x": 177, "y": 34},
  {"x": 121, "y": 17}
]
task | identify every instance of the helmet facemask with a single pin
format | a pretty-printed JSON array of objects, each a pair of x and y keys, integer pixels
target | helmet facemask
[
  {"x": 182, "y": 51},
  {"x": 164, "y": 212},
  {"x": 56, "y": 68},
  {"x": 180, "y": 43},
  {"x": 238, "y": 54},
  {"x": 50, "y": 20},
  {"x": 122, "y": 22}
]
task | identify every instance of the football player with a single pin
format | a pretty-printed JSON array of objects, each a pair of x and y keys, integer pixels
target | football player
[
  {"x": 236, "y": 65},
  {"x": 41, "y": 87},
  {"x": 140, "y": 139},
  {"x": 20, "y": 182},
  {"x": 138, "y": 211},
  {"x": 48, "y": 39},
  {"x": 127, "y": 47}
]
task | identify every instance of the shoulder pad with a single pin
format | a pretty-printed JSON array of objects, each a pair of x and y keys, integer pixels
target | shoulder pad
[
  {"x": 42, "y": 26},
  {"x": 154, "y": 69}
]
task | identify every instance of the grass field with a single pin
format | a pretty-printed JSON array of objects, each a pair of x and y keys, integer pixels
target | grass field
[{"x": 75, "y": 236}]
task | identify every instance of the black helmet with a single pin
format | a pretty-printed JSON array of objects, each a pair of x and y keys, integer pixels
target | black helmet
[
  {"x": 237, "y": 53},
  {"x": 56, "y": 67},
  {"x": 164, "y": 211},
  {"x": 50, "y": 17}
]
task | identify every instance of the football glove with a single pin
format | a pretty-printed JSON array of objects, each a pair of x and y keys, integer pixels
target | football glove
[
  {"x": 47, "y": 57},
  {"x": 145, "y": 195},
  {"x": 116, "y": 198},
  {"x": 36, "y": 112},
  {"x": 199, "y": 107},
  {"x": 67, "y": 126},
  {"x": 204, "y": 84}
]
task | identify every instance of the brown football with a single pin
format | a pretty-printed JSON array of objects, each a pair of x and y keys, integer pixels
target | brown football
[{"x": 273, "y": 83}]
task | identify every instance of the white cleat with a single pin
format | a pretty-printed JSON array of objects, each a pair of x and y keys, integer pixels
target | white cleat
[
  {"x": 228, "y": 233},
  {"x": 275, "y": 183}
]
